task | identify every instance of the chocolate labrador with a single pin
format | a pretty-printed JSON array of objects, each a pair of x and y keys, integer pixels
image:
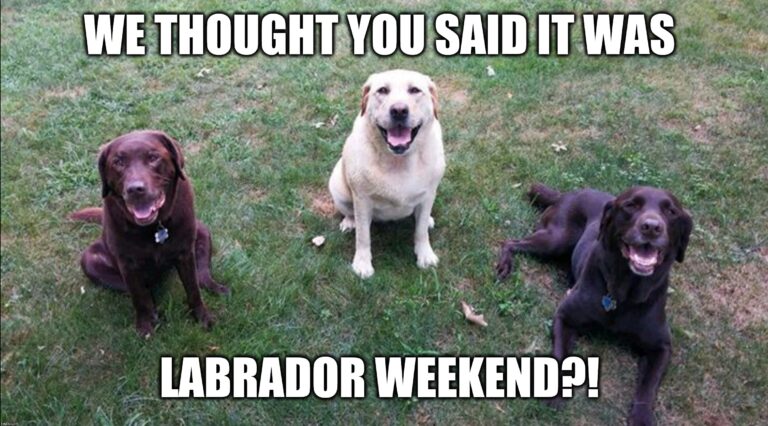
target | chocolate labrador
[
  {"x": 621, "y": 251},
  {"x": 148, "y": 226}
]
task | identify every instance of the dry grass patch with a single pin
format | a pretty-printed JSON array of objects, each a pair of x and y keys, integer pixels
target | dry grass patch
[
  {"x": 421, "y": 416},
  {"x": 453, "y": 90},
  {"x": 256, "y": 194},
  {"x": 740, "y": 293},
  {"x": 712, "y": 111},
  {"x": 320, "y": 202},
  {"x": 68, "y": 92}
]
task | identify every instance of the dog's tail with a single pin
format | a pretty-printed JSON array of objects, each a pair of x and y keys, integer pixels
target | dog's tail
[
  {"x": 542, "y": 196},
  {"x": 89, "y": 214}
]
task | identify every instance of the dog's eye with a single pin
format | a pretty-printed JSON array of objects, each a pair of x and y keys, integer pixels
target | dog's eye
[
  {"x": 384, "y": 90},
  {"x": 118, "y": 162},
  {"x": 630, "y": 206},
  {"x": 414, "y": 90},
  {"x": 671, "y": 211},
  {"x": 152, "y": 157}
]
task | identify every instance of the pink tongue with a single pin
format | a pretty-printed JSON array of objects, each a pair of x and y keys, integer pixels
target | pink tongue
[
  {"x": 143, "y": 213},
  {"x": 398, "y": 136}
]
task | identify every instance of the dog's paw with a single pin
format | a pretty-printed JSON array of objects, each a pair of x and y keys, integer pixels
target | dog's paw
[
  {"x": 503, "y": 269},
  {"x": 347, "y": 224},
  {"x": 426, "y": 257},
  {"x": 431, "y": 222},
  {"x": 145, "y": 325},
  {"x": 203, "y": 317},
  {"x": 145, "y": 329},
  {"x": 362, "y": 267}
]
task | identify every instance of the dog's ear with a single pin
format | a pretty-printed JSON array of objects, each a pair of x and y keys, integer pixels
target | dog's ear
[
  {"x": 103, "y": 158},
  {"x": 433, "y": 95},
  {"x": 177, "y": 156},
  {"x": 606, "y": 222},
  {"x": 364, "y": 100},
  {"x": 684, "y": 228}
]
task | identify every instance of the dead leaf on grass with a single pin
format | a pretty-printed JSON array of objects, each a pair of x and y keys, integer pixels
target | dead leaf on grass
[
  {"x": 559, "y": 146},
  {"x": 203, "y": 72},
  {"x": 471, "y": 315}
]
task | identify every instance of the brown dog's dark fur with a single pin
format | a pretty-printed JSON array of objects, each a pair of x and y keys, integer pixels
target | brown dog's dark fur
[
  {"x": 144, "y": 189},
  {"x": 622, "y": 248}
]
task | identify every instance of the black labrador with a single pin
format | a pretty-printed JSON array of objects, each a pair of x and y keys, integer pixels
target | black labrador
[{"x": 621, "y": 252}]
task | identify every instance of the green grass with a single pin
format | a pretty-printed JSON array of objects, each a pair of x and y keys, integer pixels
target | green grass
[{"x": 695, "y": 122}]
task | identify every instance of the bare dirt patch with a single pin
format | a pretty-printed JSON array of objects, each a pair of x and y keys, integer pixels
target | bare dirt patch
[
  {"x": 453, "y": 91},
  {"x": 320, "y": 202}
]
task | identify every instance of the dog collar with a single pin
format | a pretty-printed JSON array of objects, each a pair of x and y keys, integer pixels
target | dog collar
[
  {"x": 161, "y": 235},
  {"x": 608, "y": 302}
]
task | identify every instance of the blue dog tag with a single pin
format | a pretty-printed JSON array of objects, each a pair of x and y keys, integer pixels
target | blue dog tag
[{"x": 608, "y": 302}]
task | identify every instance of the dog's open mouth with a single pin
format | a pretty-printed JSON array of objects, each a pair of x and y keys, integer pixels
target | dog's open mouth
[
  {"x": 399, "y": 137},
  {"x": 146, "y": 212},
  {"x": 643, "y": 258}
]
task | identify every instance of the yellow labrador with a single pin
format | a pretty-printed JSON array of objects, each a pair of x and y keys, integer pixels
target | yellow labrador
[{"x": 391, "y": 164}]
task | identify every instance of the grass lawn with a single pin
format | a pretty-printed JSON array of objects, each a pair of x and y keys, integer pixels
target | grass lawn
[{"x": 695, "y": 122}]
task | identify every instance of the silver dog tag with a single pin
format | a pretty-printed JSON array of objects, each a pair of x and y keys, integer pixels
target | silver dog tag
[{"x": 162, "y": 233}]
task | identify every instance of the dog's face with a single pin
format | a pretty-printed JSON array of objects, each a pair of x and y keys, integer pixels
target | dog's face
[
  {"x": 648, "y": 226},
  {"x": 140, "y": 169},
  {"x": 398, "y": 103}
]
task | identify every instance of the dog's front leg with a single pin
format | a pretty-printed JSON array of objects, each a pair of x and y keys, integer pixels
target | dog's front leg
[
  {"x": 146, "y": 314},
  {"x": 653, "y": 364},
  {"x": 425, "y": 256},
  {"x": 361, "y": 264},
  {"x": 187, "y": 270},
  {"x": 563, "y": 339}
]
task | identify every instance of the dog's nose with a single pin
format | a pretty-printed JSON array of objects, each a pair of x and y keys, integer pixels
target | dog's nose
[
  {"x": 651, "y": 227},
  {"x": 136, "y": 188},
  {"x": 398, "y": 111}
]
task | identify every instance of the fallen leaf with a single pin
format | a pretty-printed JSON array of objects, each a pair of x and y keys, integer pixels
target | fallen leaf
[
  {"x": 318, "y": 241},
  {"x": 471, "y": 316},
  {"x": 516, "y": 185},
  {"x": 319, "y": 124},
  {"x": 203, "y": 72},
  {"x": 559, "y": 146},
  {"x": 490, "y": 71},
  {"x": 509, "y": 95},
  {"x": 82, "y": 290}
]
